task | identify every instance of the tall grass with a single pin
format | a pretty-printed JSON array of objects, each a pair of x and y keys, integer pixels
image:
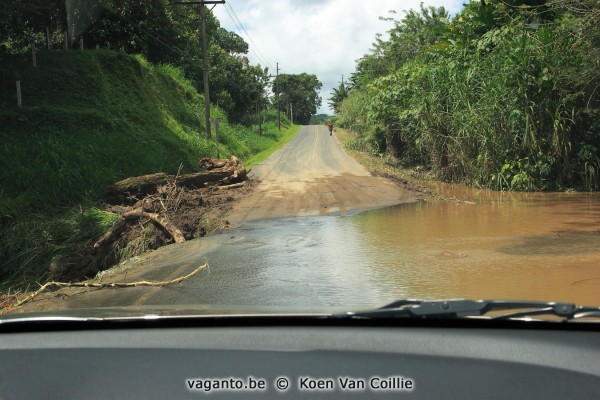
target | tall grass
[{"x": 512, "y": 108}]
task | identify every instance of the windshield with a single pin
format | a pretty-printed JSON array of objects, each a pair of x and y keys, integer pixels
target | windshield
[{"x": 297, "y": 154}]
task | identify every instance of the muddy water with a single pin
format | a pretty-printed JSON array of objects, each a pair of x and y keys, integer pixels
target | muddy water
[{"x": 505, "y": 245}]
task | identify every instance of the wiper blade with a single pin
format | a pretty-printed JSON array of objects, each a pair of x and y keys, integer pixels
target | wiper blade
[{"x": 475, "y": 308}]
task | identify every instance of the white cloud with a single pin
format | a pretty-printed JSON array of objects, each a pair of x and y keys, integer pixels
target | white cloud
[{"x": 324, "y": 38}]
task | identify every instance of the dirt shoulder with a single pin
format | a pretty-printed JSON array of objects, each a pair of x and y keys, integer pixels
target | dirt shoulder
[{"x": 415, "y": 181}]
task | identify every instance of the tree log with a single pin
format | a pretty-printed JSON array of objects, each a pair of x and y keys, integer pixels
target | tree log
[
  {"x": 219, "y": 172},
  {"x": 232, "y": 186},
  {"x": 238, "y": 175},
  {"x": 137, "y": 186},
  {"x": 201, "y": 179},
  {"x": 211, "y": 163}
]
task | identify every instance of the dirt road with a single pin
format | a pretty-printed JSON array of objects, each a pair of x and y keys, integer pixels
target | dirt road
[{"x": 312, "y": 175}]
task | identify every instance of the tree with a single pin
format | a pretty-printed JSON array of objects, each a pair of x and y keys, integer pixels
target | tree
[
  {"x": 301, "y": 93},
  {"x": 337, "y": 97},
  {"x": 23, "y": 22},
  {"x": 236, "y": 85},
  {"x": 413, "y": 33}
]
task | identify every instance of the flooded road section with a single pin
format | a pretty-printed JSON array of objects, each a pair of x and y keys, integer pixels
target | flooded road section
[
  {"x": 506, "y": 246},
  {"x": 540, "y": 246},
  {"x": 301, "y": 242}
]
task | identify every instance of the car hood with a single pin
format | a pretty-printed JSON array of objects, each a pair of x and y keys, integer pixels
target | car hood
[{"x": 167, "y": 311}]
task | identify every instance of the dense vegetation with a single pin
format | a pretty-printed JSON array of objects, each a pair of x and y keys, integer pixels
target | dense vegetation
[
  {"x": 318, "y": 119},
  {"x": 126, "y": 104},
  {"x": 502, "y": 95},
  {"x": 160, "y": 30}
]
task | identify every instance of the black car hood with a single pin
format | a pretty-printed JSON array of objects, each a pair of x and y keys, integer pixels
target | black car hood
[{"x": 167, "y": 311}]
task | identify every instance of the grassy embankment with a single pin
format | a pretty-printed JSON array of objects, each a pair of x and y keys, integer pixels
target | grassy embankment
[{"x": 89, "y": 119}]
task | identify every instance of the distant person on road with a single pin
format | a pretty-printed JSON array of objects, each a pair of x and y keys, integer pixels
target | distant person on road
[{"x": 330, "y": 127}]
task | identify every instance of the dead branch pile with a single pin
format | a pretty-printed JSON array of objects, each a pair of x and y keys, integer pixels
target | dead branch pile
[
  {"x": 218, "y": 173},
  {"x": 155, "y": 197}
]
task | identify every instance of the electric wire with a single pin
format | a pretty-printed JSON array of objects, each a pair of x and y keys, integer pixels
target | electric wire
[{"x": 258, "y": 52}]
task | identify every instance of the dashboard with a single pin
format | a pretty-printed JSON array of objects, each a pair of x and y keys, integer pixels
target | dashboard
[{"x": 276, "y": 360}]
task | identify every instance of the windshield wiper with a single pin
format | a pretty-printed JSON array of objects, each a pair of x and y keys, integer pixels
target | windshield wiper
[{"x": 475, "y": 308}]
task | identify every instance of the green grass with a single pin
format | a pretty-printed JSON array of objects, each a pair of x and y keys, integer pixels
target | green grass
[{"x": 89, "y": 119}]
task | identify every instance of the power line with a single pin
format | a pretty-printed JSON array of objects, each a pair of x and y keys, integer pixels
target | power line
[
  {"x": 160, "y": 39},
  {"x": 292, "y": 71},
  {"x": 134, "y": 21},
  {"x": 247, "y": 34},
  {"x": 239, "y": 29},
  {"x": 257, "y": 52},
  {"x": 184, "y": 53}
]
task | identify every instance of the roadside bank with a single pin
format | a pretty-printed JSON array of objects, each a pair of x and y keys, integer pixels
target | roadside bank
[{"x": 89, "y": 119}]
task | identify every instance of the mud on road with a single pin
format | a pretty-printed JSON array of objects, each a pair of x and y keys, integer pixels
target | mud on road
[{"x": 313, "y": 175}]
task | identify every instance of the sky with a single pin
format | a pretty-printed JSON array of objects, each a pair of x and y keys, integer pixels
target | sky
[{"x": 321, "y": 37}]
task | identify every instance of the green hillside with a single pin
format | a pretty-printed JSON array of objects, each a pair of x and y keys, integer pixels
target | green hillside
[{"x": 90, "y": 118}]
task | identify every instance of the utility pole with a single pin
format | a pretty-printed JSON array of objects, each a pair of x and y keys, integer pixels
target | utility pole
[
  {"x": 277, "y": 96},
  {"x": 258, "y": 117},
  {"x": 292, "y": 113},
  {"x": 278, "y": 111},
  {"x": 203, "y": 3},
  {"x": 215, "y": 122},
  {"x": 205, "y": 73}
]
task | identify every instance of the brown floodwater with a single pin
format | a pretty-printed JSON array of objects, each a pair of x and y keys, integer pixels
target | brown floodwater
[
  {"x": 543, "y": 246},
  {"x": 526, "y": 246}
]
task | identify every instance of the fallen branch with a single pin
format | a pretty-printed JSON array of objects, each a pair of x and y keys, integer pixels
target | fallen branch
[
  {"x": 48, "y": 285},
  {"x": 110, "y": 234},
  {"x": 136, "y": 213},
  {"x": 156, "y": 218}
]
